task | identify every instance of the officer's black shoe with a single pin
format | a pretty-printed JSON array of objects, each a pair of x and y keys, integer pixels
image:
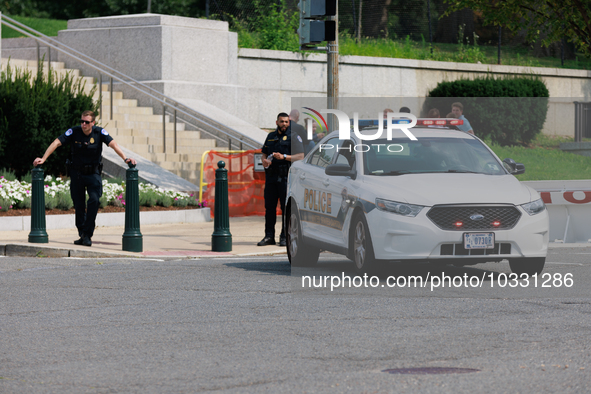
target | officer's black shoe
[
  {"x": 282, "y": 241},
  {"x": 86, "y": 241},
  {"x": 79, "y": 241},
  {"x": 266, "y": 241}
]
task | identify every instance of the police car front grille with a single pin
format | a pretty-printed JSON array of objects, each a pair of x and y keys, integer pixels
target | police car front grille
[{"x": 446, "y": 217}]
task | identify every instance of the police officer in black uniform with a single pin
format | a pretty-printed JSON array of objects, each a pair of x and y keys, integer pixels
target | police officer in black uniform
[
  {"x": 279, "y": 151},
  {"x": 85, "y": 166}
]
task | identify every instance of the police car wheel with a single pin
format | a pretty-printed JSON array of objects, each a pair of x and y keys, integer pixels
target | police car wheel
[
  {"x": 527, "y": 265},
  {"x": 362, "y": 252},
  {"x": 299, "y": 253}
]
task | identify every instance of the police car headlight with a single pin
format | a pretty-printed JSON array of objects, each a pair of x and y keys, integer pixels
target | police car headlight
[
  {"x": 398, "y": 208},
  {"x": 534, "y": 207}
]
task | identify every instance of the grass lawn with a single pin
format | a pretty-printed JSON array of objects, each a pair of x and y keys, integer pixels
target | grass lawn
[
  {"x": 545, "y": 161},
  {"x": 49, "y": 27}
]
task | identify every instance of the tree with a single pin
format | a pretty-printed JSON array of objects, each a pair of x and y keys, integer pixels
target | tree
[{"x": 569, "y": 19}]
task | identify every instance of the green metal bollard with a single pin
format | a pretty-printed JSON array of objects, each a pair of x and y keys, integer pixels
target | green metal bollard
[
  {"x": 132, "y": 237},
  {"x": 38, "y": 234},
  {"x": 221, "y": 239}
]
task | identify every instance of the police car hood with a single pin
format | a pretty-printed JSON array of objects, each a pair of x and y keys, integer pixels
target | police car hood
[{"x": 450, "y": 188}]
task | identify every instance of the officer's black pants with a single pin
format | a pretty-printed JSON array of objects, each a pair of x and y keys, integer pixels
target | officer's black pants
[
  {"x": 86, "y": 213},
  {"x": 274, "y": 190}
]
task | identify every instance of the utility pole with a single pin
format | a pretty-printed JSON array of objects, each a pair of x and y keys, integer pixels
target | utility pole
[{"x": 332, "y": 66}]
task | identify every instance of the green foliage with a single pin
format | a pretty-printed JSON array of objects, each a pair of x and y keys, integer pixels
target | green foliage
[
  {"x": 118, "y": 181},
  {"x": 273, "y": 27},
  {"x": 50, "y": 202},
  {"x": 9, "y": 175},
  {"x": 103, "y": 202},
  {"x": 4, "y": 204},
  {"x": 548, "y": 19},
  {"x": 546, "y": 164},
  {"x": 64, "y": 201},
  {"x": 148, "y": 198},
  {"x": 165, "y": 201},
  {"x": 181, "y": 202},
  {"x": 508, "y": 111},
  {"x": 33, "y": 112},
  {"x": 49, "y": 27},
  {"x": 25, "y": 204}
]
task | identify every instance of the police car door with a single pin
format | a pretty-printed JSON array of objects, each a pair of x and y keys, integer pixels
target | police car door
[
  {"x": 343, "y": 191},
  {"x": 317, "y": 210},
  {"x": 323, "y": 196}
]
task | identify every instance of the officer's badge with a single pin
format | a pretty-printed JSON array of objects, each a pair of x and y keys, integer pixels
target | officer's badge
[
  {"x": 69, "y": 132},
  {"x": 300, "y": 139},
  {"x": 104, "y": 132},
  {"x": 91, "y": 140},
  {"x": 284, "y": 138}
]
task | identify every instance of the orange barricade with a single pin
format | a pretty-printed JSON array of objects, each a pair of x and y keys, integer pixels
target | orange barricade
[{"x": 245, "y": 186}]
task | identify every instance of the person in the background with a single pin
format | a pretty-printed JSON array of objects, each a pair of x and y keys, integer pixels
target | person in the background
[
  {"x": 405, "y": 110},
  {"x": 315, "y": 136},
  {"x": 458, "y": 109},
  {"x": 298, "y": 129},
  {"x": 279, "y": 151},
  {"x": 433, "y": 113}
]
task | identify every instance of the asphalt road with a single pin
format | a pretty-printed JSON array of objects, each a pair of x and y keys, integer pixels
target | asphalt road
[{"x": 246, "y": 325}]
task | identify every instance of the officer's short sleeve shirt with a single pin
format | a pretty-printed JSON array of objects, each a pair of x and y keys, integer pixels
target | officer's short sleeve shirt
[{"x": 86, "y": 149}]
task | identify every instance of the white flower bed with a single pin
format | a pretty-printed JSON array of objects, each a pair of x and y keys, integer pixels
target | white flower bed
[{"x": 15, "y": 192}]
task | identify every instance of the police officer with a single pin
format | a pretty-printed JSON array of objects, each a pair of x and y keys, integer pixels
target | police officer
[
  {"x": 279, "y": 151},
  {"x": 85, "y": 166}
]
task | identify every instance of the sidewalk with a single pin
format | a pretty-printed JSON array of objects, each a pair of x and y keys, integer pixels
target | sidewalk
[{"x": 159, "y": 240}]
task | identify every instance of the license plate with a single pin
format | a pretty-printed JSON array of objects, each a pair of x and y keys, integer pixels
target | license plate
[{"x": 479, "y": 240}]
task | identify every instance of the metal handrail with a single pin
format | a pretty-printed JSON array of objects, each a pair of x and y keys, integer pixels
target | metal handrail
[{"x": 166, "y": 101}]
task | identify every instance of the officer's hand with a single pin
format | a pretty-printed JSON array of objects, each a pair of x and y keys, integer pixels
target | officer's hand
[
  {"x": 266, "y": 163},
  {"x": 278, "y": 156},
  {"x": 131, "y": 160},
  {"x": 38, "y": 161}
]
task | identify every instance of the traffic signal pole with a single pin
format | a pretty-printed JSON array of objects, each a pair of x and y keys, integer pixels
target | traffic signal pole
[
  {"x": 314, "y": 29},
  {"x": 332, "y": 66}
]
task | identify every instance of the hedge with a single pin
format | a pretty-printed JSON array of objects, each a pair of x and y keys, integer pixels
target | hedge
[
  {"x": 33, "y": 112},
  {"x": 509, "y": 110}
]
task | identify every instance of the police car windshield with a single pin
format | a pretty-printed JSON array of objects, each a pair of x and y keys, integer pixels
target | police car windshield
[{"x": 428, "y": 155}]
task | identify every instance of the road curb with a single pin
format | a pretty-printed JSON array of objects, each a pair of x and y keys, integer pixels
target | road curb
[{"x": 20, "y": 250}]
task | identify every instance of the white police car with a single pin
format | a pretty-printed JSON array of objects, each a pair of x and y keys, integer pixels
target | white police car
[{"x": 444, "y": 198}]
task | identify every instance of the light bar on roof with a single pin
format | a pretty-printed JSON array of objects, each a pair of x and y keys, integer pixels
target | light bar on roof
[{"x": 439, "y": 122}]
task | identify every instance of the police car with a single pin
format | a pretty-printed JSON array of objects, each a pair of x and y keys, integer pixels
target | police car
[{"x": 442, "y": 198}]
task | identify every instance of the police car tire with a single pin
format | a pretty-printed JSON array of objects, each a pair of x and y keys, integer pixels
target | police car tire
[
  {"x": 527, "y": 265},
  {"x": 362, "y": 248},
  {"x": 299, "y": 253}
]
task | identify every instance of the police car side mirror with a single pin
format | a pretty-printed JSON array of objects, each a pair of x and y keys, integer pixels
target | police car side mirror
[
  {"x": 513, "y": 167},
  {"x": 340, "y": 169}
]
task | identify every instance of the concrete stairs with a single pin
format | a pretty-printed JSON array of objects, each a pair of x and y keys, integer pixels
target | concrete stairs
[{"x": 138, "y": 128}]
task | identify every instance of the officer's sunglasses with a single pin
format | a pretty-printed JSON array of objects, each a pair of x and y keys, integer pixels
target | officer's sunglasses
[{"x": 86, "y": 121}]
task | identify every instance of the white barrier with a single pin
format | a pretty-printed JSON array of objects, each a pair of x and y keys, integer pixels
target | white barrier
[{"x": 569, "y": 207}]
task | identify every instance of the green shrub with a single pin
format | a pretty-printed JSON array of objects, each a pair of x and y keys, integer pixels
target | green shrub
[
  {"x": 508, "y": 111},
  {"x": 25, "y": 204},
  {"x": 50, "y": 202},
  {"x": 181, "y": 202},
  {"x": 148, "y": 198},
  {"x": 165, "y": 201},
  {"x": 9, "y": 175},
  {"x": 33, "y": 112},
  {"x": 4, "y": 204},
  {"x": 103, "y": 202},
  {"x": 64, "y": 201},
  {"x": 28, "y": 177}
]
